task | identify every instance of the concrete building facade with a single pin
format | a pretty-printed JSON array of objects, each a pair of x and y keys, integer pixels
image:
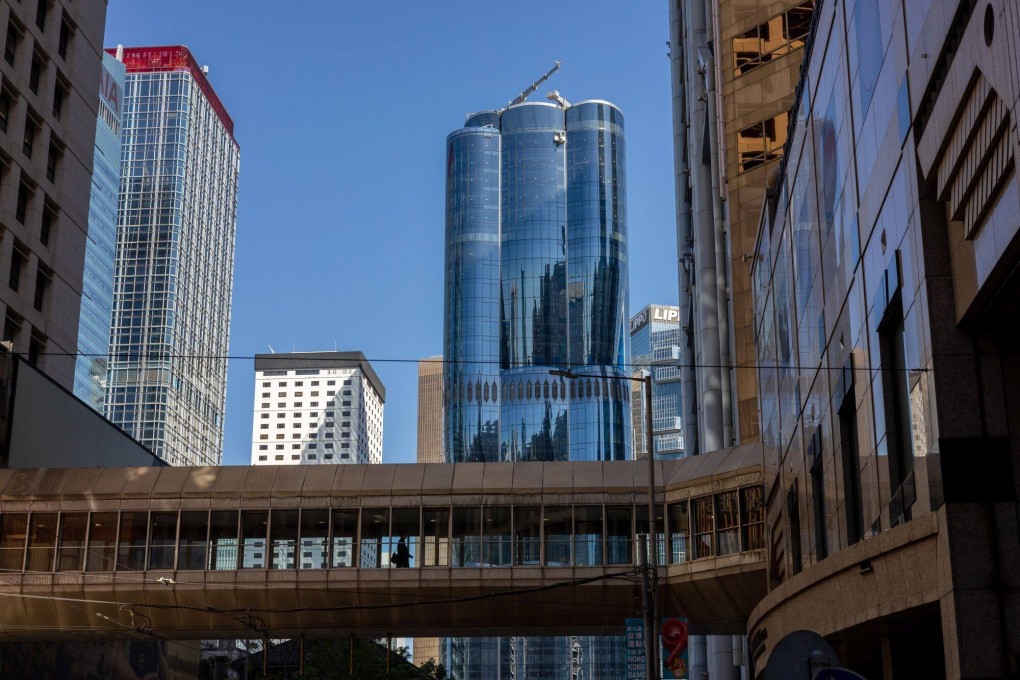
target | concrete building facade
[
  {"x": 316, "y": 408},
  {"x": 101, "y": 247},
  {"x": 886, "y": 288},
  {"x": 51, "y": 70},
  {"x": 175, "y": 258}
]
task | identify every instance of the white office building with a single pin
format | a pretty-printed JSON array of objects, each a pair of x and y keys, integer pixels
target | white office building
[{"x": 314, "y": 408}]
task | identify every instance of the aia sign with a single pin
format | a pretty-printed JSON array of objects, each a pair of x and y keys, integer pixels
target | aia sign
[{"x": 110, "y": 91}]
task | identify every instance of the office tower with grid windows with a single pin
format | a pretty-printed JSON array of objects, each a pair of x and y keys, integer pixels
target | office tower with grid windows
[
  {"x": 175, "y": 258},
  {"x": 655, "y": 347},
  {"x": 316, "y": 408},
  {"x": 51, "y": 70},
  {"x": 101, "y": 246}
]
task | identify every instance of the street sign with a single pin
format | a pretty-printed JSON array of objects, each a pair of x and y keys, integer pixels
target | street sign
[
  {"x": 635, "y": 649},
  {"x": 674, "y": 636},
  {"x": 837, "y": 674}
]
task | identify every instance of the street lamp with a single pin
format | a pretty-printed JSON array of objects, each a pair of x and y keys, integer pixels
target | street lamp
[{"x": 651, "y": 648}]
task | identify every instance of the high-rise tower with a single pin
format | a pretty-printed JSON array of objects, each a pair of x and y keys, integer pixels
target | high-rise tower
[
  {"x": 536, "y": 281},
  {"x": 175, "y": 258},
  {"x": 430, "y": 410},
  {"x": 101, "y": 245}
]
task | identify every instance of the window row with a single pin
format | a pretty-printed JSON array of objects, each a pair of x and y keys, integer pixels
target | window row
[{"x": 580, "y": 535}]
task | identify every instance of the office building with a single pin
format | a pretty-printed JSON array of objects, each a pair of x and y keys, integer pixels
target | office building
[
  {"x": 536, "y": 281},
  {"x": 430, "y": 410},
  {"x": 101, "y": 245},
  {"x": 536, "y": 336},
  {"x": 316, "y": 408},
  {"x": 734, "y": 70},
  {"x": 175, "y": 258},
  {"x": 51, "y": 69},
  {"x": 886, "y": 287},
  {"x": 655, "y": 350}
]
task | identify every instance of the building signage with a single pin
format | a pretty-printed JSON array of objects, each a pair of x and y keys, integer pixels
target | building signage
[
  {"x": 635, "y": 649},
  {"x": 654, "y": 313},
  {"x": 674, "y": 649},
  {"x": 110, "y": 91}
]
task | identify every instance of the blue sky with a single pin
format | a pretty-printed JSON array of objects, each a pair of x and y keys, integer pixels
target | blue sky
[{"x": 342, "y": 109}]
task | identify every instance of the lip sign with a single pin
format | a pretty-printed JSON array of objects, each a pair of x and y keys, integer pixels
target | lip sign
[{"x": 674, "y": 639}]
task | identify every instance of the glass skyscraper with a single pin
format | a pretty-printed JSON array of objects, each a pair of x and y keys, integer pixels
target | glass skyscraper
[
  {"x": 536, "y": 281},
  {"x": 655, "y": 346},
  {"x": 175, "y": 258},
  {"x": 101, "y": 244}
]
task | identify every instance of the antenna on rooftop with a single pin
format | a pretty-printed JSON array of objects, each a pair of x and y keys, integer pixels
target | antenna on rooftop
[
  {"x": 271, "y": 350},
  {"x": 534, "y": 86}
]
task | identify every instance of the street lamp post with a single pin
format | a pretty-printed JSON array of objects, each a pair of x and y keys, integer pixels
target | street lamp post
[{"x": 651, "y": 646}]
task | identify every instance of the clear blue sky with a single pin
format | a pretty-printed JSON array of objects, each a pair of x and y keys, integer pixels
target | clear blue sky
[{"x": 342, "y": 109}]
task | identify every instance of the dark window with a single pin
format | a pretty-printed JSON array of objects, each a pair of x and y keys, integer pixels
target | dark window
[
  {"x": 30, "y": 130},
  {"x": 13, "y": 36},
  {"x": 5, "y": 109},
  {"x": 42, "y": 539},
  {"x": 52, "y": 160},
  {"x": 818, "y": 495},
  {"x": 163, "y": 540},
  {"x": 24, "y": 196},
  {"x": 13, "y": 534},
  {"x": 59, "y": 93},
  {"x": 793, "y": 512},
  {"x": 131, "y": 546},
  {"x": 46, "y": 227},
  {"x": 71, "y": 550},
  {"x": 34, "y": 73},
  {"x": 40, "y": 14},
  {"x": 102, "y": 545},
  {"x": 17, "y": 262},
  {"x": 11, "y": 327},
  {"x": 896, "y": 400},
  {"x": 64, "y": 39},
  {"x": 702, "y": 523},
  {"x": 42, "y": 283}
]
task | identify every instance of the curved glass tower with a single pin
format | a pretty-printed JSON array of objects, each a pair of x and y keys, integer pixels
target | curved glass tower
[{"x": 536, "y": 280}]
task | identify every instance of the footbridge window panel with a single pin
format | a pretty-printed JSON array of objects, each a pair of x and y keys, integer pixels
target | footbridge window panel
[
  {"x": 527, "y": 537},
  {"x": 345, "y": 538},
  {"x": 679, "y": 532},
  {"x": 375, "y": 538},
  {"x": 223, "y": 542},
  {"x": 71, "y": 548},
  {"x": 558, "y": 535},
  {"x": 620, "y": 534},
  {"x": 314, "y": 539},
  {"x": 193, "y": 551},
  {"x": 254, "y": 539},
  {"x": 641, "y": 527},
  {"x": 283, "y": 538},
  {"x": 588, "y": 533},
  {"x": 163, "y": 540},
  {"x": 42, "y": 541},
  {"x": 133, "y": 535},
  {"x": 13, "y": 536},
  {"x": 496, "y": 536},
  {"x": 102, "y": 546},
  {"x": 436, "y": 548},
  {"x": 466, "y": 538},
  {"x": 406, "y": 525}
]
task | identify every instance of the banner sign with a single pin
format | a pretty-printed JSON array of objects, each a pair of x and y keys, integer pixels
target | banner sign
[
  {"x": 674, "y": 649},
  {"x": 635, "y": 649}
]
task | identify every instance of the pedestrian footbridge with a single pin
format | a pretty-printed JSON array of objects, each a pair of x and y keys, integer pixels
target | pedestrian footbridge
[{"x": 496, "y": 548}]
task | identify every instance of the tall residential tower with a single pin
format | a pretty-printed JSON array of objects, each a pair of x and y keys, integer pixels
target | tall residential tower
[{"x": 175, "y": 258}]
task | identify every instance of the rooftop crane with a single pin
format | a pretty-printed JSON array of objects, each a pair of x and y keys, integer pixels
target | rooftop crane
[{"x": 534, "y": 86}]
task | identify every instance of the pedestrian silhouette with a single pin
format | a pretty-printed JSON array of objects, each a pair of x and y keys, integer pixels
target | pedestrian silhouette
[{"x": 402, "y": 557}]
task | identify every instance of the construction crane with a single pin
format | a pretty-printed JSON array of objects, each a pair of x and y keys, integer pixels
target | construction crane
[{"x": 534, "y": 86}]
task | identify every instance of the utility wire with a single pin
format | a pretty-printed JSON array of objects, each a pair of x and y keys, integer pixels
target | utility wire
[{"x": 304, "y": 358}]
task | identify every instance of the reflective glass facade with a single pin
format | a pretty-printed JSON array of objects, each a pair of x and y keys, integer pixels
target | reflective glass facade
[
  {"x": 175, "y": 259},
  {"x": 101, "y": 246},
  {"x": 655, "y": 347},
  {"x": 536, "y": 280}
]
